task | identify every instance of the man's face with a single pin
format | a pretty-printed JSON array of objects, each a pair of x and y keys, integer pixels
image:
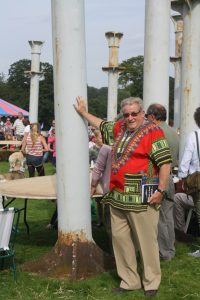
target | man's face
[{"x": 133, "y": 116}]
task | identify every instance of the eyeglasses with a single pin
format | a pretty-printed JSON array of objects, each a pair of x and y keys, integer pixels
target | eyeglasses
[{"x": 132, "y": 114}]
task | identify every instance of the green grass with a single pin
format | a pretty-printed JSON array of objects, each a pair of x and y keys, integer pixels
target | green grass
[{"x": 180, "y": 277}]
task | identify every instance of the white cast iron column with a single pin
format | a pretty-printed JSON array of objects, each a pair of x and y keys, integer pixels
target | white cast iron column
[
  {"x": 113, "y": 70},
  {"x": 190, "y": 85},
  {"x": 156, "y": 52},
  {"x": 69, "y": 56},
  {"x": 178, "y": 24},
  {"x": 35, "y": 75}
]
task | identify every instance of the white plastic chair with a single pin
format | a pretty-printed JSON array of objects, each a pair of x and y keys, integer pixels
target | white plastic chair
[
  {"x": 6, "y": 222},
  {"x": 9, "y": 220}
]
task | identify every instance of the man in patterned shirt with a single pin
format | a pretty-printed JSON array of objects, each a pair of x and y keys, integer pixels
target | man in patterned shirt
[{"x": 141, "y": 163}]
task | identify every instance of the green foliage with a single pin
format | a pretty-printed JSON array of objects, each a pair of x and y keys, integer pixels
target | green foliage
[
  {"x": 132, "y": 81},
  {"x": 132, "y": 77},
  {"x": 16, "y": 89},
  {"x": 19, "y": 84},
  {"x": 46, "y": 97},
  {"x": 97, "y": 101},
  {"x": 17, "y": 76},
  {"x": 4, "y": 89},
  {"x": 2, "y": 78}
]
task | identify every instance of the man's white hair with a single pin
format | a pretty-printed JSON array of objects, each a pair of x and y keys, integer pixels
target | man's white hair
[{"x": 130, "y": 101}]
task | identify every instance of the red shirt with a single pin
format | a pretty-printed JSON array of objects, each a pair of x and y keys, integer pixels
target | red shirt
[{"x": 136, "y": 158}]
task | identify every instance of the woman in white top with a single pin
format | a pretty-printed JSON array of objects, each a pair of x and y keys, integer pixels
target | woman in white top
[{"x": 35, "y": 144}]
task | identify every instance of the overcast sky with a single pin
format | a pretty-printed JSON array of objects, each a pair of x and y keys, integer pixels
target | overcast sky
[{"x": 24, "y": 20}]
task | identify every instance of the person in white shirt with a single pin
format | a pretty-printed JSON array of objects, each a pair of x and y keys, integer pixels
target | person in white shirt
[
  {"x": 26, "y": 123},
  {"x": 18, "y": 127},
  {"x": 190, "y": 161}
]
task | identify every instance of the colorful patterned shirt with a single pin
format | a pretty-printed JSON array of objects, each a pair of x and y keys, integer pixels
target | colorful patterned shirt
[{"x": 136, "y": 159}]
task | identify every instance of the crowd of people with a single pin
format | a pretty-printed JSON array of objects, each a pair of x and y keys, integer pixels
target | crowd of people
[
  {"x": 35, "y": 146},
  {"x": 30, "y": 136},
  {"x": 135, "y": 165},
  {"x": 12, "y": 130}
]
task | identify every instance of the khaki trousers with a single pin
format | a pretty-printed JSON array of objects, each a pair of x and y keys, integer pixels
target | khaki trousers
[{"x": 132, "y": 231}]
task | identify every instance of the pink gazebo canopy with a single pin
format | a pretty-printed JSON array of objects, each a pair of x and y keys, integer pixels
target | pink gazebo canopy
[{"x": 8, "y": 109}]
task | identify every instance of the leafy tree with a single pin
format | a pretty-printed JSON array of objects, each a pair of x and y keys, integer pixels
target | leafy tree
[
  {"x": 17, "y": 76},
  {"x": 130, "y": 84},
  {"x": 46, "y": 95},
  {"x": 132, "y": 78},
  {"x": 97, "y": 101},
  {"x": 2, "y": 78},
  {"x": 17, "y": 90},
  {"x": 19, "y": 83},
  {"x": 132, "y": 81},
  {"x": 3, "y": 86}
]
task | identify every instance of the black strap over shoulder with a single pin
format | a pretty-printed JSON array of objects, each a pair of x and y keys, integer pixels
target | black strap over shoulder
[{"x": 197, "y": 140}]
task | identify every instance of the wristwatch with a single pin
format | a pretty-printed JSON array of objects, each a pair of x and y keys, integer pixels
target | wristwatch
[{"x": 163, "y": 192}]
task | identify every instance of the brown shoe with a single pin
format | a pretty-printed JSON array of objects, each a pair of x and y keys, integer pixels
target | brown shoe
[
  {"x": 150, "y": 293},
  {"x": 120, "y": 290}
]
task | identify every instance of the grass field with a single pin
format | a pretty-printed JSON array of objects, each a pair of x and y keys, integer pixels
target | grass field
[{"x": 180, "y": 277}]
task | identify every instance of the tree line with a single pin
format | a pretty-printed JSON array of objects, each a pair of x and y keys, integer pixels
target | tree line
[{"x": 16, "y": 88}]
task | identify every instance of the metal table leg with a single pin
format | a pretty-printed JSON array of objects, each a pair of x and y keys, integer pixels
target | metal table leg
[{"x": 25, "y": 214}]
